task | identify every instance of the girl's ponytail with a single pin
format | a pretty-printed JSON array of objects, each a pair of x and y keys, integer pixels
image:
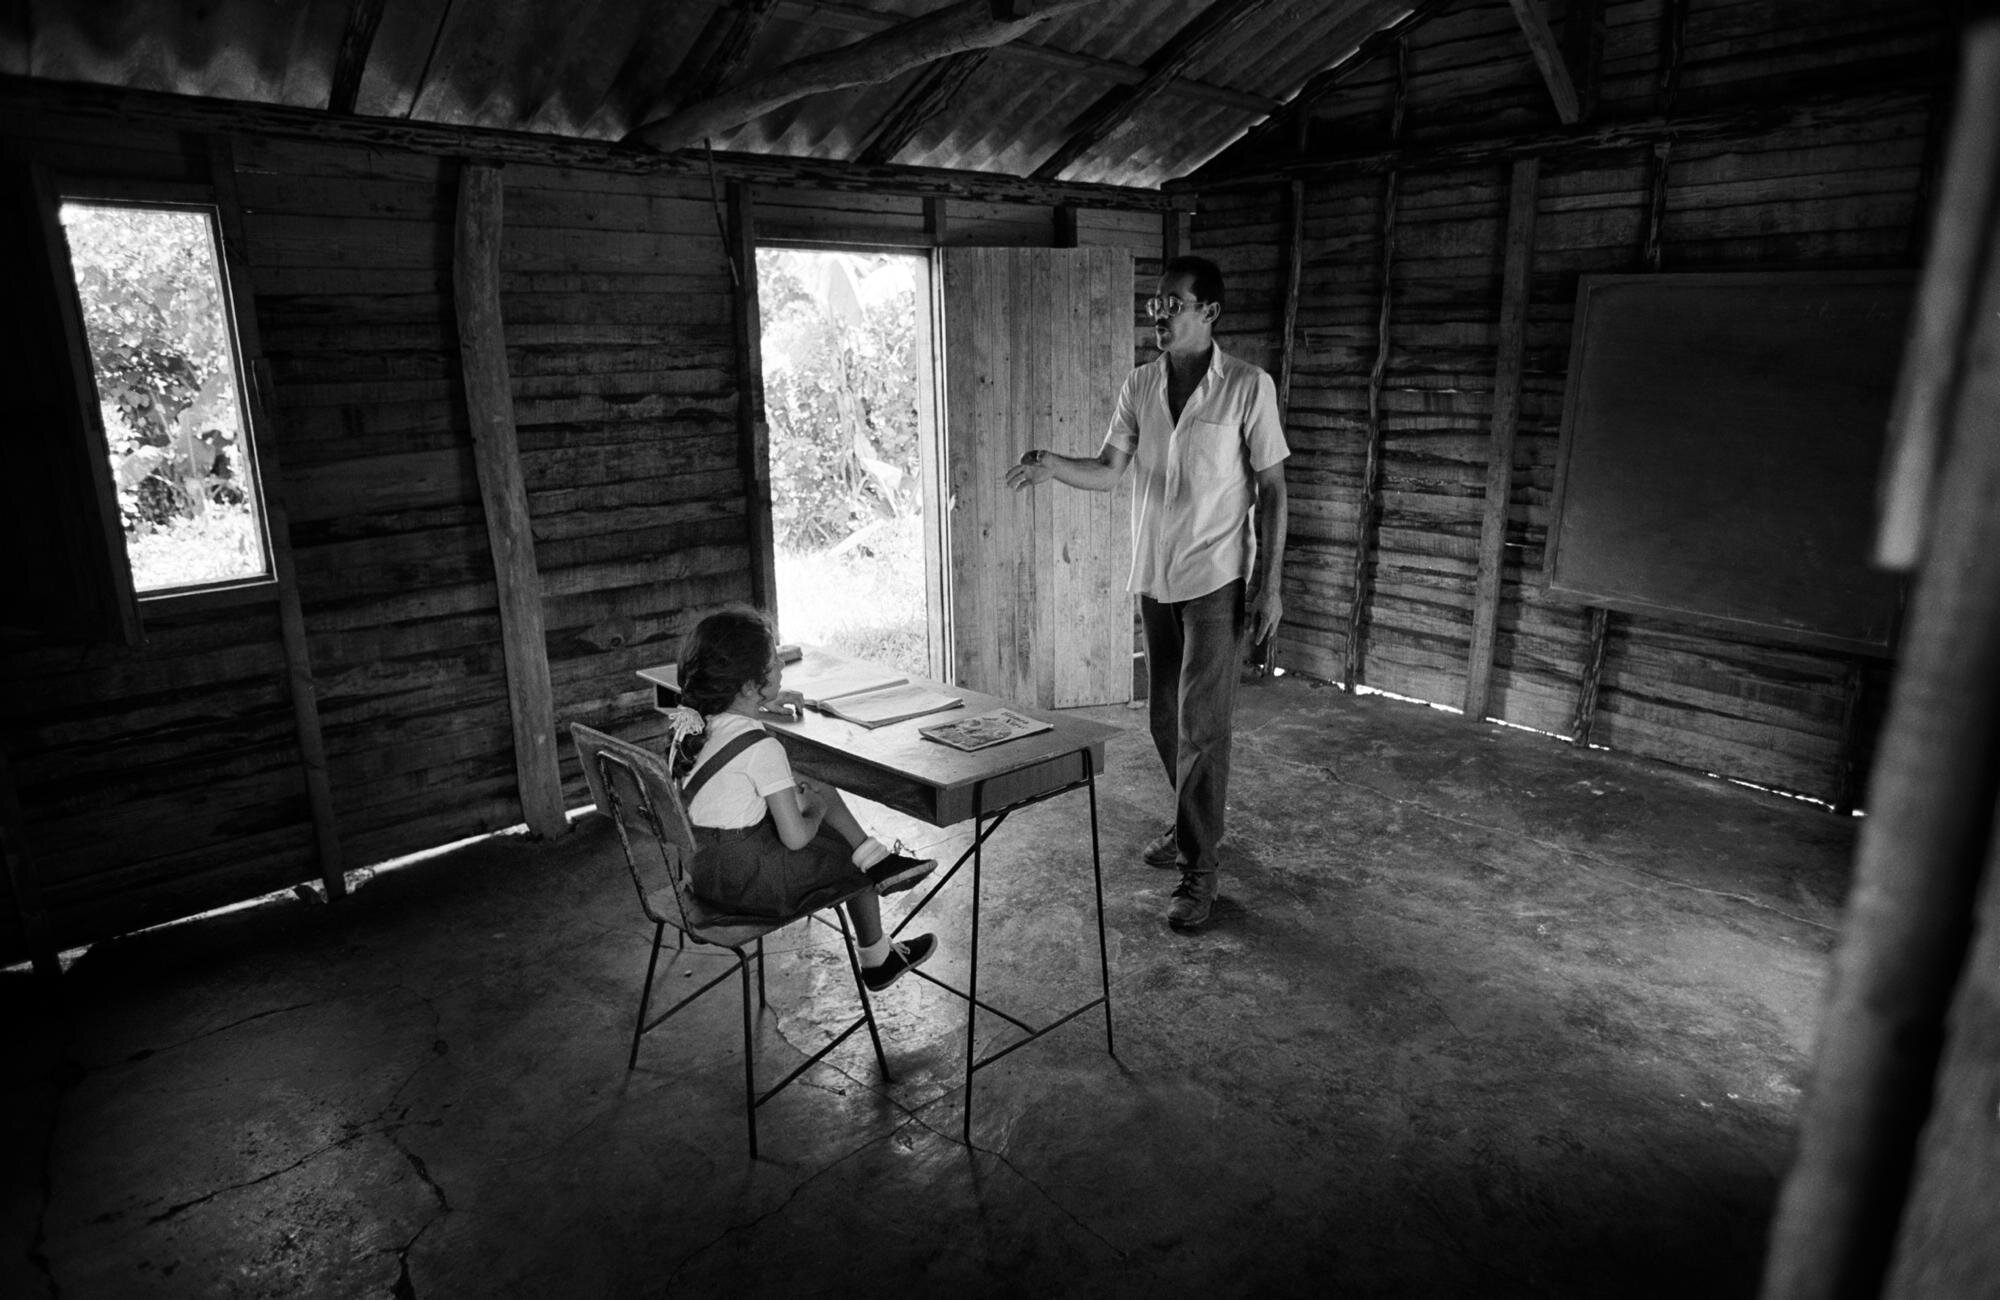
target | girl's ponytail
[{"x": 725, "y": 652}]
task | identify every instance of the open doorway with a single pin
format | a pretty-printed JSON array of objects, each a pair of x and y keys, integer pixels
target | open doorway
[{"x": 845, "y": 346}]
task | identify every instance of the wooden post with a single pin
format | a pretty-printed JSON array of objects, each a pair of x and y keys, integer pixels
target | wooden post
[
  {"x": 1593, "y": 668},
  {"x": 1847, "y": 774},
  {"x": 1065, "y": 226},
  {"x": 1924, "y": 846},
  {"x": 1295, "y": 251},
  {"x": 277, "y": 521},
  {"x": 753, "y": 431},
  {"x": 1364, "y": 522},
  {"x": 936, "y": 222},
  {"x": 489, "y": 405},
  {"x": 37, "y": 935},
  {"x": 1968, "y": 205},
  {"x": 1520, "y": 253},
  {"x": 1654, "y": 248}
]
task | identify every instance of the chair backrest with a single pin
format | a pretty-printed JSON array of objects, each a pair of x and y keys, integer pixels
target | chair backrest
[{"x": 632, "y": 783}]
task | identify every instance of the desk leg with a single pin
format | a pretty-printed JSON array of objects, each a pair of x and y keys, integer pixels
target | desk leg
[
  {"x": 972, "y": 979},
  {"x": 1097, "y": 880}
]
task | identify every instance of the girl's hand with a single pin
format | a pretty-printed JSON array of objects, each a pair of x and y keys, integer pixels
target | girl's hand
[{"x": 791, "y": 702}]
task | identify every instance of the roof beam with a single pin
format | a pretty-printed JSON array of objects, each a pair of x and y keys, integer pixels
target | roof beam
[
  {"x": 954, "y": 29},
  {"x": 711, "y": 65},
  {"x": 363, "y": 17},
  {"x": 848, "y": 18},
  {"x": 924, "y": 100},
  {"x": 1331, "y": 78},
  {"x": 1548, "y": 54},
  {"x": 1115, "y": 108}
]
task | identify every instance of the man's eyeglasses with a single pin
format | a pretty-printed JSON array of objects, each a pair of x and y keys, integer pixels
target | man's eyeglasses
[{"x": 1166, "y": 308}]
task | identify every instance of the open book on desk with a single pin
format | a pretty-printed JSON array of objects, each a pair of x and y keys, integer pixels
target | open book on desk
[{"x": 886, "y": 704}]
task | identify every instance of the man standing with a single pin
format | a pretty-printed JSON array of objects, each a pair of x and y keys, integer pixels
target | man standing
[{"x": 1204, "y": 431}]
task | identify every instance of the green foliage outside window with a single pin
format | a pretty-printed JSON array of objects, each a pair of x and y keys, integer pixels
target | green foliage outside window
[
  {"x": 151, "y": 294},
  {"x": 840, "y": 384}
]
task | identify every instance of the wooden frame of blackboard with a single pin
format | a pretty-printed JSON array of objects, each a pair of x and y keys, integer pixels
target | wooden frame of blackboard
[{"x": 1697, "y": 383}]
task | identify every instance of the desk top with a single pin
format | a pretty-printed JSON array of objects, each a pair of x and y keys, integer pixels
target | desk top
[{"x": 896, "y": 766}]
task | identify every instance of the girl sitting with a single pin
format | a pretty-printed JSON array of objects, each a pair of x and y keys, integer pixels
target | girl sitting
[{"x": 767, "y": 841}]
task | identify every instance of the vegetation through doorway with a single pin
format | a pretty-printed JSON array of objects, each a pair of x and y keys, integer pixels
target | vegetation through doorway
[{"x": 841, "y": 340}]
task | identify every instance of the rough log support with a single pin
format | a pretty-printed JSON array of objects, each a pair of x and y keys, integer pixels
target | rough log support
[
  {"x": 277, "y": 521},
  {"x": 1968, "y": 206},
  {"x": 1519, "y": 258},
  {"x": 753, "y": 430},
  {"x": 1894, "y": 1171},
  {"x": 1371, "y": 466},
  {"x": 1288, "y": 324},
  {"x": 489, "y": 405},
  {"x": 1593, "y": 669}
]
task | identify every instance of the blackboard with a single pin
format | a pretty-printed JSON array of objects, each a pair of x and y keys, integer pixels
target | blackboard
[{"x": 1722, "y": 436}]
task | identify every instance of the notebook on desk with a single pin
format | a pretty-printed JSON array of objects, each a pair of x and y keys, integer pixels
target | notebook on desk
[{"x": 887, "y": 704}]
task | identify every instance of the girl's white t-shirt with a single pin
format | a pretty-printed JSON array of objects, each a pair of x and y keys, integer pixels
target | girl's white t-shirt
[{"x": 735, "y": 795}]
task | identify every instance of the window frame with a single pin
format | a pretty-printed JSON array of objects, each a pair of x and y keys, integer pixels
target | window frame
[{"x": 179, "y": 196}]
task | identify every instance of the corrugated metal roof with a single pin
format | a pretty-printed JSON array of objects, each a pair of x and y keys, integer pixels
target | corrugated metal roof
[{"x": 599, "y": 68}]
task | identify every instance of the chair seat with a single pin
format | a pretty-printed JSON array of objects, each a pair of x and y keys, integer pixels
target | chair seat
[{"x": 709, "y": 924}]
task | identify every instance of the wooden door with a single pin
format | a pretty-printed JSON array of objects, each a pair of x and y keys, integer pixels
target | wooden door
[{"x": 1037, "y": 341}]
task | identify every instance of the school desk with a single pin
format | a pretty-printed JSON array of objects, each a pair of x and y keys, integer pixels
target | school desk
[{"x": 896, "y": 766}]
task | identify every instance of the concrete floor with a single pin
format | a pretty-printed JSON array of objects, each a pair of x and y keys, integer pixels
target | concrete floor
[{"x": 1480, "y": 1015}]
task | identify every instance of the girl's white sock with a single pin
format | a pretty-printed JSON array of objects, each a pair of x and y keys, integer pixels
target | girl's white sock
[
  {"x": 874, "y": 954},
  {"x": 869, "y": 852}
]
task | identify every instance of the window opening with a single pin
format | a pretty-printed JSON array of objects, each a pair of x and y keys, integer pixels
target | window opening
[
  {"x": 167, "y": 370},
  {"x": 841, "y": 392}
]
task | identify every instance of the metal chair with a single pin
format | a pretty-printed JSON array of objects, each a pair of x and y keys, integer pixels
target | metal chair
[{"x": 634, "y": 784}]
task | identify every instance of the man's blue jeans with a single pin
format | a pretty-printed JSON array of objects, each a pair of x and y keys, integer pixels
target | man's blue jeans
[{"x": 1193, "y": 653}]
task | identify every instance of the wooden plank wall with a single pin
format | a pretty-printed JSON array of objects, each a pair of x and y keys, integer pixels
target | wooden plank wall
[
  {"x": 164, "y": 779},
  {"x": 1841, "y": 186}
]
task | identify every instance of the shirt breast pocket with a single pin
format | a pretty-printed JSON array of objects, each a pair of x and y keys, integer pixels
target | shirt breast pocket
[{"x": 1213, "y": 450}]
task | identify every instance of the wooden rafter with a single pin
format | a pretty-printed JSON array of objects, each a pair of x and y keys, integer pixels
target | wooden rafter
[
  {"x": 1583, "y": 50},
  {"x": 714, "y": 61},
  {"x": 1327, "y": 80},
  {"x": 363, "y": 17},
  {"x": 1548, "y": 55},
  {"x": 1115, "y": 107},
  {"x": 833, "y": 16},
  {"x": 955, "y": 29},
  {"x": 925, "y": 99}
]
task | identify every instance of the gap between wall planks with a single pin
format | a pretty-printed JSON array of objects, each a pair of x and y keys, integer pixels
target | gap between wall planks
[
  {"x": 753, "y": 427},
  {"x": 1522, "y": 192},
  {"x": 475, "y": 277},
  {"x": 277, "y": 518}
]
